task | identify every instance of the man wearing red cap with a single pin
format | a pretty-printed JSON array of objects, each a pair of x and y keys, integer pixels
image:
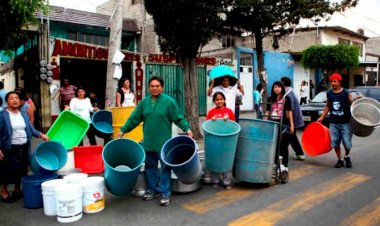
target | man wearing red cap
[{"x": 338, "y": 104}]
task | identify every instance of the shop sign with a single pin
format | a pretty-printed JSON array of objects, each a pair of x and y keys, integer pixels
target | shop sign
[
  {"x": 81, "y": 50},
  {"x": 162, "y": 58}
]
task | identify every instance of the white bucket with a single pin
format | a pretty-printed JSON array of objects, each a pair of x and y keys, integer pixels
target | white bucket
[
  {"x": 69, "y": 202},
  {"x": 93, "y": 194},
  {"x": 48, "y": 196},
  {"x": 75, "y": 178}
]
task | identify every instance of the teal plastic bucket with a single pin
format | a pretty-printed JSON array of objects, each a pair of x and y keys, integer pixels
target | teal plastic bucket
[
  {"x": 256, "y": 150},
  {"x": 102, "y": 122},
  {"x": 181, "y": 155},
  {"x": 123, "y": 159},
  {"x": 220, "y": 140},
  {"x": 31, "y": 186},
  {"x": 49, "y": 157}
]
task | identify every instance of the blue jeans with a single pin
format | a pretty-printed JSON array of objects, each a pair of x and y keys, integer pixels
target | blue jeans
[
  {"x": 157, "y": 180},
  {"x": 339, "y": 133}
]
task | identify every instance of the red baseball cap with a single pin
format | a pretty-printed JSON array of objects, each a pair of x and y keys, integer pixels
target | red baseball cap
[{"x": 336, "y": 76}]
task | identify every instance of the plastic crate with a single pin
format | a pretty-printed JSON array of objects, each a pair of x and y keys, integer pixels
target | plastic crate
[{"x": 89, "y": 158}]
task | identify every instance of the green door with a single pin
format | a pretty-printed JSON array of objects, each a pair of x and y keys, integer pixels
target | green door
[{"x": 174, "y": 84}]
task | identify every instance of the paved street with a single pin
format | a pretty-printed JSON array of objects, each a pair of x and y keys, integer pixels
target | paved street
[{"x": 316, "y": 194}]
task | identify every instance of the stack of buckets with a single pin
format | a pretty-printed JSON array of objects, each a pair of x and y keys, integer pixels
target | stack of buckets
[
  {"x": 49, "y": 157},
  {"x": 69, "y": 197}
]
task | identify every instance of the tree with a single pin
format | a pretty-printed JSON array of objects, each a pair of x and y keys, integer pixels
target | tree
[
  {"x": 331, "y": 57},
  {"x": 276, "y": 18},
  {"x": 183, "y": 27},
  {"x": 15, "y": 14}
]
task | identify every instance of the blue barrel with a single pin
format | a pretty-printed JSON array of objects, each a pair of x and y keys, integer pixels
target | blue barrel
[
  {"x": 123, "y": 159},
  {"x": 256, "y": 150},
  {"x": 220, "y": 140},
  {"x": 102, "y": 122},
  {"x": 31, "y": 186},
  {"x": 181, "y": 155},
  {"x": 49, "y": 157}
]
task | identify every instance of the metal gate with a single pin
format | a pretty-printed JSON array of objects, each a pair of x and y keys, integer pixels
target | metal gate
[{"x": 174, "y": 83}]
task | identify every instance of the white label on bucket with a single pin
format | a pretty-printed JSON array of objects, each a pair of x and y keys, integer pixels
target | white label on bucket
[{"x": 69, "y": 207}]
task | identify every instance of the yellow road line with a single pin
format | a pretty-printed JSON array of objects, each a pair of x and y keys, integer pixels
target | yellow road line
[
  {"x": 226, "y": 197},
  {"x": 292, "y": 206},
  {"x": 369, "y": 215}
]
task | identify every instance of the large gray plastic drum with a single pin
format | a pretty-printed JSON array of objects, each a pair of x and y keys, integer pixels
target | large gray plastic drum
[{"x": 365, "y": 117}]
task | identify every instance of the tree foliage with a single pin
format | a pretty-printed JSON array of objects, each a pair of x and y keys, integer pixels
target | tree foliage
[
  {"x": 14, "y": 15},
  {"x": 330, "y": 57},
  {"x": 183, "y": 27},
  {"x": 275, "y": 18}
]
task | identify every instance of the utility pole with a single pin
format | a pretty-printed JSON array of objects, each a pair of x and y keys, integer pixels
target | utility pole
[{"x": 114, "y": 44}]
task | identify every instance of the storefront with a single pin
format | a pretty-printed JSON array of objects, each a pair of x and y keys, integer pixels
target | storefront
[{"x": 86, "y": 65}]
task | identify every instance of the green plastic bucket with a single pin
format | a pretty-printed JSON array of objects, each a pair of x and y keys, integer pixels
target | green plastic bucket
[
  {"x": 123, "y": 159},
  {"x": 102, "y": 122},
  {"x": 256, "y": 150},
  {"x": 220, "y": 140},
  {"x": 49, "y": 157}
]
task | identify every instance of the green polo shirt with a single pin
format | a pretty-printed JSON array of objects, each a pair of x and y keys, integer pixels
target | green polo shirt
[{"x": 158, "y": 117}]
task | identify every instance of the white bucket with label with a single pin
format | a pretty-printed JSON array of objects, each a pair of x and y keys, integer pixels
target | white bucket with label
[
  {"x": 48, "y": 196},
  {"x": 75, "y": 178},
  {"x": 93, "y": 194},
  {"x": 69, "y": 202}
]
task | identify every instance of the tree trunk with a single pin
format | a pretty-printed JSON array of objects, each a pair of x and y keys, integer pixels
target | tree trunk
[
  {"x": 260, "y": 65},
  {"x": 191, "y": 95}
]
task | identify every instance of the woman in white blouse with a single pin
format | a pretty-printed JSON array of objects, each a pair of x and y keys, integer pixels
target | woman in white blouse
[
  {"x": 81, "y": 105},
  {"x": 124, "y": 95}
]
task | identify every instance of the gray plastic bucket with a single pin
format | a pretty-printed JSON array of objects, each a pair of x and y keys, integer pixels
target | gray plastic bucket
[
  {"x": 256, "y": 150},
  {"x": 365, "y": 116},
  {"x": 181, "y": 155}
]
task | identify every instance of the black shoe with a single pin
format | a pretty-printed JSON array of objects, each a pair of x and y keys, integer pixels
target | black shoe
[
  {"x": 17, "y": 195},
  {"x": 150, "y": 195},
  {"x": 8, "y": 199},
  {"x": 339, "y": 164},
  {"x": 348, "y": 162},
  {"x": 165, "y": 200}
]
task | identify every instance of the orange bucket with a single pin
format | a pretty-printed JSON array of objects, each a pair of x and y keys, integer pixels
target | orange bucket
[{"x": 316, "y": 139}]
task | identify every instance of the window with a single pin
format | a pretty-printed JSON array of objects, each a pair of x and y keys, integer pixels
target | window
[
  {"x": 228, "y": 41},
  {"x": 360, "y": 47},
  {"x": 246, "y": 59},
  {"x": 72, "y": 35},
  {"x": 344, "y": 41}
]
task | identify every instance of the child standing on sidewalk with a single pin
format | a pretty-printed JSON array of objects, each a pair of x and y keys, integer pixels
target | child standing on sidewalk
[
  {"x": 338, "y": 104},
  {"x": 220, "y": 112}
]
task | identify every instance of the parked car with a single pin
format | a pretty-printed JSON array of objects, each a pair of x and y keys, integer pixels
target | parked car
[
  {"x": 370, "y": 91},
  {"x": 314, "y": 109}
]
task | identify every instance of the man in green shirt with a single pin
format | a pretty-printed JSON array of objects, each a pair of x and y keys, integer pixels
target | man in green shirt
[{"x": 158, "y": 111}]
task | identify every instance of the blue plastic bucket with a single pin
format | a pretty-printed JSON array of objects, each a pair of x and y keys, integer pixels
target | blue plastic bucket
[
  {"x": 31, "y": 186},
  {"x": 256, "y": 150},
  {"x": 181, "y": 155},
  {"x": 49, "y": 157},
  {"x": 102, "y": 122},
  {"x": 220, "y": 140},
  {"x": 122, "y": 158}
]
